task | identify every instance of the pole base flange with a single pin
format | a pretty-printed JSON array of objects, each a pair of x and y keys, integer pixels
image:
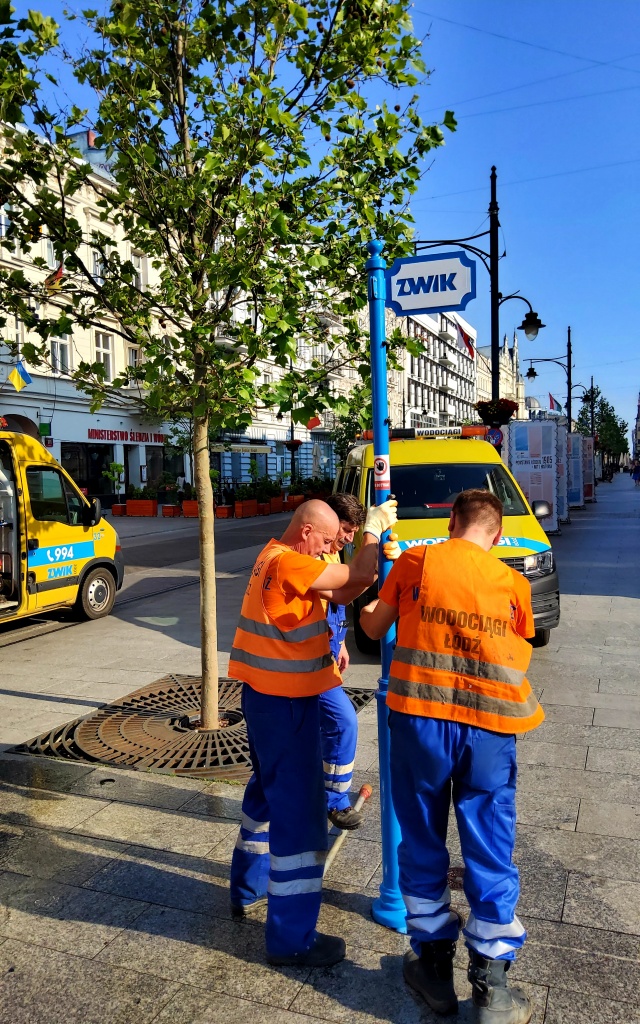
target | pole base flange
[{"x": 390, "y": 914}]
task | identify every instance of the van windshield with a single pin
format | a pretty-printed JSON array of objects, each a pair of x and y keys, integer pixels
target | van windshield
[{"x": 429, "y": 491}]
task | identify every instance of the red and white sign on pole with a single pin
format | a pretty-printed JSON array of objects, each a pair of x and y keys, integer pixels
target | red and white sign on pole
[{"x": 381, "y": 473}]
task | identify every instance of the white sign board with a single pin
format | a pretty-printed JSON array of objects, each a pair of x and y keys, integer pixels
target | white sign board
[
  {"x": 563, "y": 476},
  {"x": 576, "y": 487},
  {"x": 533, "y": 462},
  {"x": 440, "y": 283}
]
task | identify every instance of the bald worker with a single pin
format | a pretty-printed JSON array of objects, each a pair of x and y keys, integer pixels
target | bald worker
[{"x": 281, "y": 653}]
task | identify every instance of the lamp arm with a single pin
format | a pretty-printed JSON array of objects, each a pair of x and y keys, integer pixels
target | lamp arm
[{"x": 505, "y": 298}]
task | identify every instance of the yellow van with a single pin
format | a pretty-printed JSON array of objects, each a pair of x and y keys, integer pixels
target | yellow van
[
  {"x": 426, "y": 475},
  {"x": 56, "y": 551}
]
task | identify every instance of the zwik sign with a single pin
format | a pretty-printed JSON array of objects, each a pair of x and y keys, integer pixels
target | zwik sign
[{"x": 441, "y": 283}]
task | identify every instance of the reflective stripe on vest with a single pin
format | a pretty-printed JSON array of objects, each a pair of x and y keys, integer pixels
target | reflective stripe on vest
[
  {"x": 455, "y": 697},
  {"x": 293, "y": 636},
  {"x": 272, "y": 658},
  {"x": 459, "y": 665},
  {"x": 452, "y": 662}
]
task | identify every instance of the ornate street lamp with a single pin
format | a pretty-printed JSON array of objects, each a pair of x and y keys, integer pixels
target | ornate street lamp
[{"x": 532, "y": 322}]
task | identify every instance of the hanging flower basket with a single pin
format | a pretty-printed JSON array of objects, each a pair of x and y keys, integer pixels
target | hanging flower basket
[{"x": 496, "y": 414}]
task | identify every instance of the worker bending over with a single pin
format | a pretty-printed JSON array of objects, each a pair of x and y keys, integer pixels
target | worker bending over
[
  {"x": 281, "y": 653},
  {"x": 457, "y": 695},
  {"x": 338, "y": 718}
]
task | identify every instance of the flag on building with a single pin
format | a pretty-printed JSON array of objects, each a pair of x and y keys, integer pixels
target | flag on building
[
  {"x": 464, "y": 341},
  {"x": 19, "y": 376},
  {"x": 554, "y": 404},
  {"x": 53, "y": 283}
]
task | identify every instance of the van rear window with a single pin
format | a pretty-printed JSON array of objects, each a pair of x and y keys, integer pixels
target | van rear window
[{"x": 429, "y": 491}]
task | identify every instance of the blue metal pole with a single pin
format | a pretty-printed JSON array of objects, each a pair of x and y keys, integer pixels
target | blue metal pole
[{"x": 388, "y": 909}]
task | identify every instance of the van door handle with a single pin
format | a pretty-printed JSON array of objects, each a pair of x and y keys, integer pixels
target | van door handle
[{"x": 33, "y": 544}]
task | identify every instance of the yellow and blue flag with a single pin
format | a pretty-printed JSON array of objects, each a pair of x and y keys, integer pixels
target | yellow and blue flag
[{"x": 19, "y": 376}]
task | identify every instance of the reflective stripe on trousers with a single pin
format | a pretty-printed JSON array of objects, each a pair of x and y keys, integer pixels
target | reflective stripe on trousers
[
  {"x": 286, "y": 794},
  {"x": 338, "y": 738},
  {"x": 431, "y": 761}
]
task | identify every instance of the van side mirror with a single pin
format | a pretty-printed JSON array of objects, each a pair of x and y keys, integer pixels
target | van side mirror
[
  {"x": 92, "y": 514},
  {"x": 541, "y": 509}
]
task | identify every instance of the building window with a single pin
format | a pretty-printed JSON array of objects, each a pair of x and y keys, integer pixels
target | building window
[
  {"x": 267, "y": 378},
  {"x": 104, "y": 344},
  {"x": 140, "y": 266},
  {"x": 52, "y": 261},
  {"x": 13, "y": 332},
  {"x": 98, "y": 268},
  {"x": 61, "y": 354},
  {"x": 133, "y": 357},
  {"x": 5, "y": 221}
]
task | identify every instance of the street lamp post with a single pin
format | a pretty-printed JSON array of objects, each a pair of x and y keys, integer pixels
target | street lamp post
[
  {"x": 566, "y": 362},
  {"x": 531, "y": 323}
]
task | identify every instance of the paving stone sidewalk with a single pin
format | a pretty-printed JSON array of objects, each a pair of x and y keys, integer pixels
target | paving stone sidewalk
[{"x": 114, "y": 884}]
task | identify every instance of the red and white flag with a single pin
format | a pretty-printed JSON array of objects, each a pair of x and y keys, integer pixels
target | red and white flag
[
  {"x": 554, "y": 404},
  {"x": 464, "y": 341}
]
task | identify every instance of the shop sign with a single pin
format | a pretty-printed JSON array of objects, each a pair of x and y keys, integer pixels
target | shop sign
[{"x": 139, "y": 436}]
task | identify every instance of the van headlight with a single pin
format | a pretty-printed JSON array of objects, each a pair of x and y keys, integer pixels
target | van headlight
[{"x": 539, "y": 565}]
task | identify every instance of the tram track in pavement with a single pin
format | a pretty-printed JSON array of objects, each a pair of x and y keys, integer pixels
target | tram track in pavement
[{"x": 36, "y": 625}]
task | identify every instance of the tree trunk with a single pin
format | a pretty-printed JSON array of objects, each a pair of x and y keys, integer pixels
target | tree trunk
[{"x": 208, "y": 623}]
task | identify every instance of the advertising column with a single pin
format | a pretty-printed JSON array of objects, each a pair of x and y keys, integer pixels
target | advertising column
[
  {"x": 588, "y": 469},
  {"x": 563, "y": 475},
  {"x": 576, "y": 487},
  {"x": 533, "y": 462}
]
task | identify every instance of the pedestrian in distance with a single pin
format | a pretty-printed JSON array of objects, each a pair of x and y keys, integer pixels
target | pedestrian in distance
[
  {"x": 281, "y": 653},
  {"x": 338, "y": 718},
  {"x": 458, "y": 694},
  {"x": 180, "y": 485},
  {"x": 635, "y": 475}
]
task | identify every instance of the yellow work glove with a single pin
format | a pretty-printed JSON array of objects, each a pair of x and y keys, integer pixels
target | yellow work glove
[
  {"x": 391, "y": 548},
  {"x": 381, "y": 517}
]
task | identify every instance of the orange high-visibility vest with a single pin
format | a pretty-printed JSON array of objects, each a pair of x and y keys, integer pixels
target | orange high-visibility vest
[
  {"x": 458, "y": 654},
  {"x": 284, "y": 649}
]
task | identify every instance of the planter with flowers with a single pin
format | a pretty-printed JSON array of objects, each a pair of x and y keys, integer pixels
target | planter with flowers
[{"x": 498, "y": 413}]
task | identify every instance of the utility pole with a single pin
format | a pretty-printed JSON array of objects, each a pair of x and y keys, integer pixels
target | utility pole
[
  {"x": 593, "y": 411},
  {"x": 494, "y": 226},
  {"x": 569, "y": 376}
]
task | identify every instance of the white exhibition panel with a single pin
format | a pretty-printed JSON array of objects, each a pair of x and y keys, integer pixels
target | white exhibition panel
[{"x": 534, "y": 463}]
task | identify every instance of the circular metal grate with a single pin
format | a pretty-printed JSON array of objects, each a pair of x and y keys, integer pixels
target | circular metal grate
[{"x": 153, "y": 729}]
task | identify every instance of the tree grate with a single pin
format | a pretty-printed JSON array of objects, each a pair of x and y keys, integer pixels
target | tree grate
[{"x": 153, "y": 729}]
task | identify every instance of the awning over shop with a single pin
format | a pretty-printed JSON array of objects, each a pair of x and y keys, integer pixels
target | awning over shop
[{"x": 253, "y": 449}]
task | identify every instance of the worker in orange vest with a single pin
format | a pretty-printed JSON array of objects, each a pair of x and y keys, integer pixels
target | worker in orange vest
[
  {"x": 458, "y": 694},
  {"x": 281, "y": 653},
  {"x": 338, "y": 718}
]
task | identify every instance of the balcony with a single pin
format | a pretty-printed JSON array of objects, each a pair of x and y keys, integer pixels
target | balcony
[
  {"x": 445, "y": 388},
  {"x": 446, "y": 332},
  {"x": 448, "y": 362}
]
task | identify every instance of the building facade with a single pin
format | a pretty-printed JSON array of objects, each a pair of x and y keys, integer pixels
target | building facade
[
  {"x": 439, "y": 385},
  {"x": 511, "y": 379}
]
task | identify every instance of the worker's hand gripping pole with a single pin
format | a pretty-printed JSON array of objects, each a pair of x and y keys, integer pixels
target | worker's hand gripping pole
[{"x": 389, "y": 908}]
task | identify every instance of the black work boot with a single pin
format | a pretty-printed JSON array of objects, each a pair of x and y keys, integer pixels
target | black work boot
[
  {"x": 347, "y": 818},
  {"x": 240, "y": 910},
  {"x": 494, "y": 1001},
  {"x": 326, "y": 951},
  {"x": 431, "y": 975}
]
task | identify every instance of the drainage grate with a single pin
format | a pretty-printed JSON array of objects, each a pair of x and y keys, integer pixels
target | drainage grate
[{"x": 153, "y": 729}]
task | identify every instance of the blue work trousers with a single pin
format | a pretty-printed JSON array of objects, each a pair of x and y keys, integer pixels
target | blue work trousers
[
  {"x": 431, "y": 762},
  {"x": 282, "y": 845},
  {"x": 338, "y": 738}
]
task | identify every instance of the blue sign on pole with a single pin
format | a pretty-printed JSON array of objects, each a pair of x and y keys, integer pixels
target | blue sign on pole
[
  {"x": 439, "y": 283},
  {"x": 389, "y": 908}
]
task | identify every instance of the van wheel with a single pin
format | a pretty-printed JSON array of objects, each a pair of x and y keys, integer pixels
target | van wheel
[
  {"x": 364, "y": 643},
  {"x": 541, "y": 639},
  {"x": 97, "y": 595}
]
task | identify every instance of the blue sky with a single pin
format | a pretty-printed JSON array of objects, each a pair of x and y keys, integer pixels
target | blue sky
[
  {"x": 569, "y": 231},
  {"x": 548, "y": 91}
]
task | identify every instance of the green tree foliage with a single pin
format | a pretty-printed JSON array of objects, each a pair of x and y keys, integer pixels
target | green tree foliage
[
  {"x": 611, "y": 430},
  {"x": 354, "y": 415},
  {"x": 253, "y": 149}
]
